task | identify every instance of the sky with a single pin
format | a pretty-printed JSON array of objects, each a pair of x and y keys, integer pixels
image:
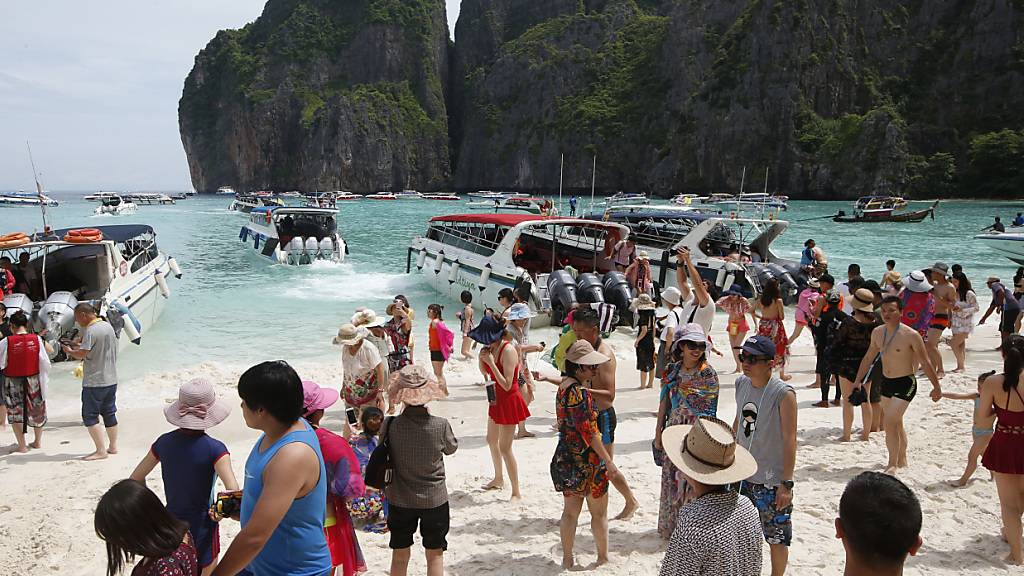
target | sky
[{"x": 94, "y": 86}]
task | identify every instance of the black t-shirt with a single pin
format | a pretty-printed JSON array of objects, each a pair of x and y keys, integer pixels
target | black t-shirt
[
  {"x": 646, "y": 318},
  {"x": 5, "y": 329}
]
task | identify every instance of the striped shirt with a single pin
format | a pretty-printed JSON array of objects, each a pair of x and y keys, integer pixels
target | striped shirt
[{"x": 718, "y": 534}]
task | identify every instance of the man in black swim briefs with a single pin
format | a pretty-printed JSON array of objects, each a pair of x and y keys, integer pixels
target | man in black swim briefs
[{"x": 904, "y": 388}]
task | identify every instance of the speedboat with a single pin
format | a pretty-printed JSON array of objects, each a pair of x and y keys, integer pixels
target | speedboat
[
  {"x": 226, "y": 191},
  {"x": 22, "y": 198},
  {"x": 246, "y": 203},
  {"x": 100, "y": 196},
  {"x": 485, "y": 253},
  {"x": 448, "y": 197},
  {"x": 382, "y": 196},
  {"x": 626, "y": 198},
  {"x": 115, "y": 206},
  {"x": 754, "y": 200},
  {"x": 486, "y": 194},
  {"x": 514, "y": 204},
  {"x": 884, "y": 209},
  {"x": 728, "y": 251},
  {"x": 342, "y": 195},
  {"x": 408, "y": 195},
  {"x": 148, "y": 198},
  {"x": 295, "y": 235},
  {"x": 320, "y": 200},
  {"x": 686, "y": 199},
  {"x": 118, "y": 269},
  {"x": 1009, "y": 243}
]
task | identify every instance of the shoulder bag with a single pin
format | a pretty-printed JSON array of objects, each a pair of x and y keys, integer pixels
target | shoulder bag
[{"x": 379, "y": 467}]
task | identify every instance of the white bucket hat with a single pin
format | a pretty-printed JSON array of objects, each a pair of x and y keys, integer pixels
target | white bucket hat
[{"x": 916, "y": 282}]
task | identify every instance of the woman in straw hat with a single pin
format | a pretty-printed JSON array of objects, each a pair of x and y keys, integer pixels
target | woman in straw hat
[
  {"x": 363, "y": 370},
  {"x": 190, "y": 463},
  {"x": 646, "y": 328},
  {"x": 639, "y": 274},
  {"x": 719, "y": 531},
  {"x": 581, "y": 467},
  {"x": 690, "y": 391},
  {"x": 852, "y": 340},
  {"x": 376, "y": 335}
]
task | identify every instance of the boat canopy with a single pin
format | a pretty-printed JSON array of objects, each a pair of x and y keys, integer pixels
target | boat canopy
[
  {"x": 263, "y": 209},
  {"x": 116, "y": 232},
  {"x": 499, "y": 219}
]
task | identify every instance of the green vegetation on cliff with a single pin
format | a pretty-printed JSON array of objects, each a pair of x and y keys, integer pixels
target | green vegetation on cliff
[{"x": 997, "y": 164}]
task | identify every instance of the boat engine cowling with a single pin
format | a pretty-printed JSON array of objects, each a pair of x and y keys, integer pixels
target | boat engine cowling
[
  {"x": 15, "y": 302},
  {"x": 57, "y": 315},
  {"x": 327, "y": 248},
  {"x": 618, "y": 292},
  {"x": 589, "y": 288},
  {"x": 562, "y": 293},
  {"x": 787, "y": 285}
]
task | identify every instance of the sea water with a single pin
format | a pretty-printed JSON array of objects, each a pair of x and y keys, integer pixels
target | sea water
[{"x": 234, "y": 308}]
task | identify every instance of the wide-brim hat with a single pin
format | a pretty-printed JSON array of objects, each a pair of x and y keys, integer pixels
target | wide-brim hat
[
  {"x": 316, "y": 397},
  {"x": 940, "y": 267},
  {"x": 992, "y": 279},
  {"x": 916, "y": 282},
  {"x": 197, "y": 407},
  {"x": 863, "y": 300},
  {"x": 672, "y": 295},
  {"x": 520, "y": 311},
  {"x": 582, "y": 352},
  {"x": 414, "y": 385},
  {"x": 488, "y": 331},
  {"x": 643, "y": 255},
  {"x": 367, "y": 318},
  {"x": 708, "y": 453},
  {"x": 348, "y": 335},
  {"x": 643, "y": 302}
]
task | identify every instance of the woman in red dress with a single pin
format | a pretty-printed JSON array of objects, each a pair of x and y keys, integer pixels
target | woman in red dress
[
  {"x": 499, "y": 363},
  {"x": 771, "y": 312}
]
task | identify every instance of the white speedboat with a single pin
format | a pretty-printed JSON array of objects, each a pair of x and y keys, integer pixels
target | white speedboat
[
  {"x": 226, "y": 191},
  {"x": 487, "y": 252},
  {"x": 514, "y": 204},
  {"x": 1009, "y": 243},
  {"x": 100, "y": 196},
  {"x": 22, "y": 198},
  {"x": 295, "y": 235},
  {"x": 381, "y": 196},
  {"x": 148, "y": 198},
  {"x": 626, "y": 198},
  {"x": 343, "y": 195},
  {"x": 246, "y": 203},
  {"x": 118, "y": 269},
  {"x": 441, "y": 196},
  {"x": 408, "y": 195},
  {"x": 754, "y": 201},
  {"x": 115, "y": 206}
]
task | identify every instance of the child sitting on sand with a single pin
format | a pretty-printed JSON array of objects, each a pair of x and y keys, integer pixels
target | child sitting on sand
[
  {"x": 981, "y": 431},
  {"x": 190, "y": 463}
]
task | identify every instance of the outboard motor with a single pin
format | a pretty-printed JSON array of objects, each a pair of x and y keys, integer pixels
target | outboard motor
[
  {"x": 562, "y": 293},
  {"x": 296, "y": 246},
  {"x": 312, "y": 245},
  {"x": 15, "y": 302},
  {"x": 787, "y": 285},
  {"x": 327, "y": 248},
  {"x": 589, "y": 288},
  {"x": 618, "y": 292},
  {"x": 57, "y": 315}
]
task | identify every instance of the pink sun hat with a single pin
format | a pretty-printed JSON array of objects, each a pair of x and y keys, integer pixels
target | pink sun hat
[
  {"x": 197, "y": 407},
  {"x": 315, "y": 397}
]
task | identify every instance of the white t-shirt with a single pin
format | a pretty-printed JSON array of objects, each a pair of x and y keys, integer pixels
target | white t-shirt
[
  {"x": 844, "y": 291},
  {"x": 361, "y": 363},
  {"x": 670, "y": 323},
  {"x": 705, "y": 315}
]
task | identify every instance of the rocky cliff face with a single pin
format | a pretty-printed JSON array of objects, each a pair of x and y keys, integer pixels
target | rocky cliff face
[
  {"x": 322, "y": 95},
  {"x": 833, "y": 99}
]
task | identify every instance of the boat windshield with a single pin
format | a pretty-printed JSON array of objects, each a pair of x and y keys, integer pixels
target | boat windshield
[
  {"x": 474, "y": 237},
  {"x": 319, "y": 226},
  {"x": 543, "y": 248},
  {"x": 82, "y": 269}
]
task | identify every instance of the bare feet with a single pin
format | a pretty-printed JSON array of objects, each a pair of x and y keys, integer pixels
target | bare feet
[
  {"x": 494, "y": 485},
  {"x": 844, "y": 438},
  {"x": 568, "y": 562},
  {"x": 822, "y": 404},
  {"x": 516, "y": 498},
  {"x": 628, "y": 510},
  {"x": 525, "y": 434},
  {"x": 95, "y": 456},
  {"x": 112, "y": 450},
  {"x": 814, "y": 385},
  {"x": 785, "y": 377},
  {"x": 1011, "y": 560},
  {"x": 865, "y": 436},
  {"x": 959, "y": 370},
  {"x": 959, "y": 483},
  {"x": 37, "y": 445},
  {"x": 890, "y": 470},
  {"x": 19, "y": 450},
  {"x": 601, "y": 561}
]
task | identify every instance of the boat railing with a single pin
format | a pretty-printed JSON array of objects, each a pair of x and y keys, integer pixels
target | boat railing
[{"x": 471, "y": 237}]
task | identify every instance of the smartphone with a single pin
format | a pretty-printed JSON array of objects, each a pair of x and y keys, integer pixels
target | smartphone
[
  {"x": 351, "y": 413},
  {"x": 492, "y": 394}
]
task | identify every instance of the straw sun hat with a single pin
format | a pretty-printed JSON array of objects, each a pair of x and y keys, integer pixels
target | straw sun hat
[
  {"x": 349, "y": 335},
  {"x": 197, "y": 407},
  {"x": 708, "y": 453},
  {"x": 414, "y": 385},
  {"x": 863, "y": 300},
  {"x": 643, "y": 302},
  {"x": 366, "y": 318}
]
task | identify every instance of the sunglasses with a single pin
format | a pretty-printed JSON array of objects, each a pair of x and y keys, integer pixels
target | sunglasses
[
  {"x": 696, "y": 345},
  {"x": 751, "y": 359}
]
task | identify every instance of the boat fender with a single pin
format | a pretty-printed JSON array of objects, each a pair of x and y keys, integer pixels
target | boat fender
[
  {"x": 438, "y": 262},
  {"x": 133, "y": 328},
  {"x": 453, "y": 273},
  {"x": 243, "y": 234},
  {"x": 173, "y": 265},
  {"x": 485, "y": 276},
  {"x": 421, "y": 259},
  {"x": 165, "y": 290}
]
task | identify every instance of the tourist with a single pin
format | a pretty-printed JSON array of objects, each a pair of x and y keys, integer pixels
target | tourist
[
  {"x": 945, "y": 297},
  {"x": 499, "y": 363},
  {"x": 851, "y": 343},
  {"x": 1018, "y": 295},
  {"x": 7, "y": 278},
  {"x": 190, "y": 463},
  {"x": 376, "y": 335},
  {"x": 624, "y": 252},
  {"x": 963, "y": 318},
  {"x": 602, "y": 387},
  {"x": 697, "y": 305},
  {"x": 98, "y": 351},
  {"x": 995, "y": 226},
  {"x": 363, "y": 378},
  {"x": 1018, "y": 220},
  {"x": 813, "y": 260},
  {"x": 517, "y": 329},
  {"x": 806, "y": 301},
  {"x": 901, "y": 349},
  {"x": 572, "y": 205},
  {"x": 5, "y": 331},
  {"x": 826, "y": 325},
  {"x": 880, "y": 525},
  {"x": 368, "y": 511},
  {"x": 892, "y": 281},
  {"x": 981, "y": 431},
  {"x": 670, "y": 297},
  {"x": 506, "y": 298},
  {"x": 917, "y": 302},
  {"x": 466, "y": 323},
  {"x": 689, "y": 391},
  {"x": 581, "y": 466},
  {"x": 1002, "y": 303},
  {"x": 133, "y": 523},
  {"x": 719, "y": 531},
  {"x": 441, "y": 343},
  {"x": 846, "y": 289},
  {"x": 25, "y": 362},
  {"x": 417, "y": 495},
  {"x": 765, "y": 424},
  {"x": 344, "y": 481},
  {"x": 639, "y": 275},
  {"x": 285, "y": 494},
  {"x": 737, "y": 307},
  {"x": 1004, "y": 457},
  {"x": 399, "y": 331},
  {"x": 644, "y": 342},
  {"x": 770, "y": 323}
]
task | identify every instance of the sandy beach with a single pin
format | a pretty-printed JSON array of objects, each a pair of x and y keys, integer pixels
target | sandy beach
[{"x": 46, "y": 514}]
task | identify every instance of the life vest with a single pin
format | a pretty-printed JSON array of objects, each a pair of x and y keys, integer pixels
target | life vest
[{"x": 22, "y": 355}]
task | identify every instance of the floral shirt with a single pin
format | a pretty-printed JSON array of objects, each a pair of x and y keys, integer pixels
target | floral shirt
[
  {"x": 181, "y": 562},
  {"x": 696, "y": 392},
  {"x": 735, "y": 306},
  {"x": 575, "y": 468}
]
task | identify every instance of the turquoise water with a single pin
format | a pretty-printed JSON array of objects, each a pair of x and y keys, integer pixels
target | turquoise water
[{"x": 235, "y": 307}]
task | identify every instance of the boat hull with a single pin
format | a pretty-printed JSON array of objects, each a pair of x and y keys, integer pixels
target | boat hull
[{"x": 1009, "y": 245}]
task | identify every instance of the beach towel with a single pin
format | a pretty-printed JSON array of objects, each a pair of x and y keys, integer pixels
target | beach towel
[{"x": 918, "y": 309}]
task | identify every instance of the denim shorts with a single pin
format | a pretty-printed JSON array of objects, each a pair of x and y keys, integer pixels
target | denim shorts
[{"x": 99, "y": 401}]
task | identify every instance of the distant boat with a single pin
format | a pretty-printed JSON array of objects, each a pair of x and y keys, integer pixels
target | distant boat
[
  {"x": 295, "y": 236},
  {"x": 517, "y": 204},
  {"x": 248, "y": 202},
  {"x": 626, "y": 198},
  {"x": 226, "y": 191},
  {"x": 342, "y": 195},
  {"x": 148, "y": 198},
  {"x": 22, "y": 198},
  {"x": 408, "y": 195},
  {"x": 382, "y": 196},
  {"x": 100, "y": 196},
  {"x": 884, "y": 209},
  {"x": 448, "y": 197},
  {"x": 115, "y": 206}
]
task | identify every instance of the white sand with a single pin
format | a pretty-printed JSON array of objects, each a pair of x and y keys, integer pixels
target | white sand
[{"x": 49, "y": 495}]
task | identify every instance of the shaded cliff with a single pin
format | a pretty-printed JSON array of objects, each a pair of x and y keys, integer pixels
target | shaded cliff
[{"x": 322, "y": 95}]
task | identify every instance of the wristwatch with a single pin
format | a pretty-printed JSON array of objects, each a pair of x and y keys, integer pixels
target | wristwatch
[{"x": 788, "y": 484}]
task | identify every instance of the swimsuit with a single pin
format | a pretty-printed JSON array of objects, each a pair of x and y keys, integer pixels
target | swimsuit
[
  {"x": 980, "y": 432},
  {"x": 607, "y": 422},
  {"x": 903, "y": 388},
  {"x": 939, "y": 322},
  {"x": 1005, "y": 453}
]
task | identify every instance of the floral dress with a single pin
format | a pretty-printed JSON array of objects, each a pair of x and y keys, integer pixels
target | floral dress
[
  {"x": 774, "y": 329},
  {"x": 963, "y": 316},
  {"x": 181, "y": 562},
  {"x": 576, "y": 470},
  {"x": 737, "y": 307},
  {"x": 690, "y": 395}
]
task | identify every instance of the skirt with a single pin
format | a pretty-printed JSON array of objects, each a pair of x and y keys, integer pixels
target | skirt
[{"x": 773, "y": 328}]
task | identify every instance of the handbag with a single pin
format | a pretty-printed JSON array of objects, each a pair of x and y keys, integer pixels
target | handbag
[{"x": 379, "y": 467}]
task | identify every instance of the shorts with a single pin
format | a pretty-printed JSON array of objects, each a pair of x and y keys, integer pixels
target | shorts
[
  {"x": 777, "y": 525},
  {"x": 904, "y": 388},
  {"x": 99, "y": 401},
  {"x": 14, "y": 398},
  {"x": 939, "y": 322},
  {"x": 433, "y": 523},
  {"x": 1008, "y": 322},
  {"x": 875, "y": 377},
  {"x": 606, "y": 423},
  {"x": 436, "y": 356},
  {"x": 847, "y": 369}
]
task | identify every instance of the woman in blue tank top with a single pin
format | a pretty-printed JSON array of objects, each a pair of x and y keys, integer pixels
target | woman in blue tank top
[{"x": 285, "y": 492}]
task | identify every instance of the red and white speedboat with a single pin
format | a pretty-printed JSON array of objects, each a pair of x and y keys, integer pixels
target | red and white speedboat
[
  {"x": 440, "y": 197},
  {"x": 381, "y": 196}
]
